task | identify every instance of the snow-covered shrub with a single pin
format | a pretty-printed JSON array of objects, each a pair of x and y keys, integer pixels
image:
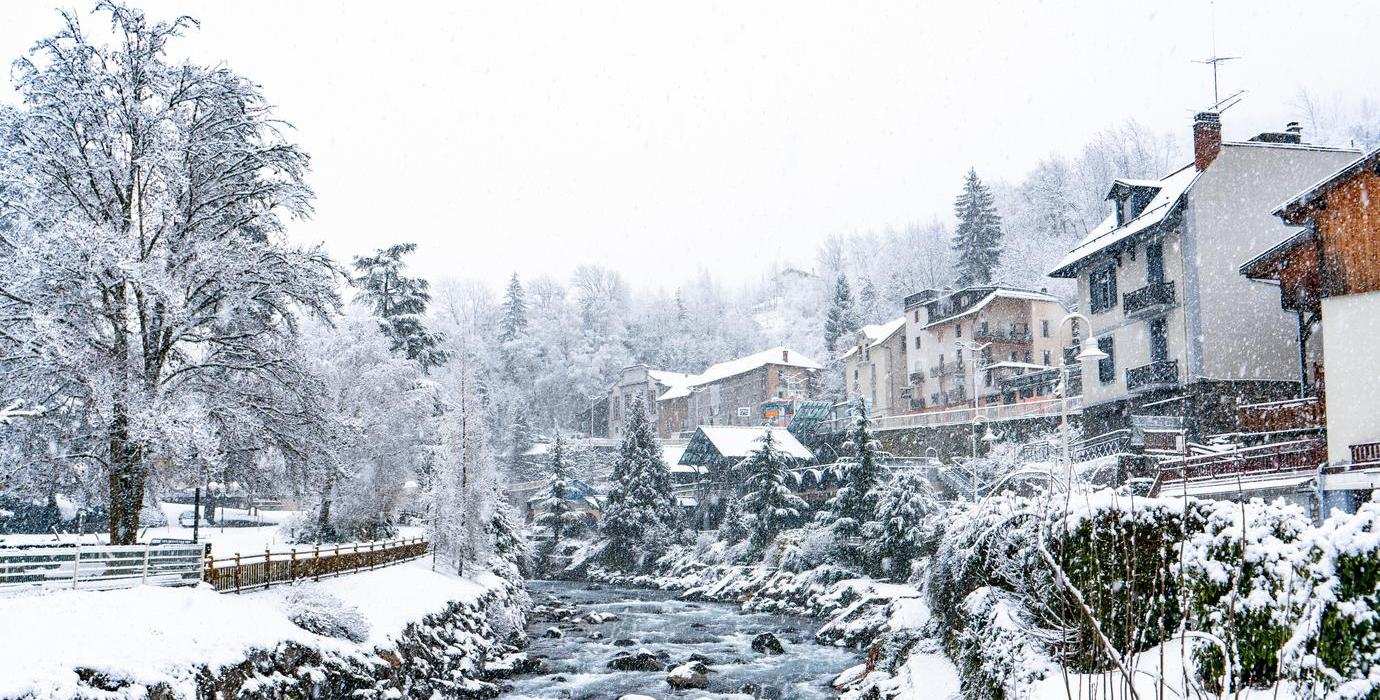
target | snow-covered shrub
[
  {"x": 1117, "y": 552},
  {"x": 907, "y": 527},
  {"x": 1001, "y": 654},
  {"x": 1245, "y": 585},
  {"x": 810, "y": 547},
  {"x": 1335, "y": 649},
  {"x": 314, "y": 609}
]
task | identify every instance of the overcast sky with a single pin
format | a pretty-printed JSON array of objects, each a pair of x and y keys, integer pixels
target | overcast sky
[{"x": 658, "y": 138}]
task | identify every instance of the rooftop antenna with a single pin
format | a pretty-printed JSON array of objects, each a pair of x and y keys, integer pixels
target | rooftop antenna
[{"x": 1215, "y": 60}]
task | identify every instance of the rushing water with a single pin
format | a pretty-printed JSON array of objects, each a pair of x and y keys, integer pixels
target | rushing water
[{"x": 575, "y": 665}]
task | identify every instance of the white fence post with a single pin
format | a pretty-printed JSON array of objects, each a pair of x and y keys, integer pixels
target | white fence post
[
  {"x": 76, "y": 562},
  {"x": 145, "y": 578}
]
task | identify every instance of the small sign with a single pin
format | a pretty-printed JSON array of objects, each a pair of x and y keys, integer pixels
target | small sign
[{"x": 744, "y": 411}]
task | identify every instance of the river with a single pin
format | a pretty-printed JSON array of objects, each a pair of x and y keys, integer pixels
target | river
[{"x": 575, "y": 664}]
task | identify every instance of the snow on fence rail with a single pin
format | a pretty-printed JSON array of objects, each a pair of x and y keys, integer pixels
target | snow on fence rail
[
  {"x": 245, "y": 573},
  {"x": 1042, "y": 408},
  {"x": 102, "y": 566}
]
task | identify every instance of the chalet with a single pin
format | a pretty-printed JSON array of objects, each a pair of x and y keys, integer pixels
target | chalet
[
  {"x": 874, "y": 369},
  {"x": 1185, "y": 334},
  {"x": 1006, "y": 330},
  {"x": 714, "y": 450},
  {"x": 640, "y": 381},
  {"x": 1327, "y": 275},
  {"x": 765, "y": 387}
]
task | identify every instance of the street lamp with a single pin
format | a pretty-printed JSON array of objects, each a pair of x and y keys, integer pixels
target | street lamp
[{"x": 1090, "y": 352}]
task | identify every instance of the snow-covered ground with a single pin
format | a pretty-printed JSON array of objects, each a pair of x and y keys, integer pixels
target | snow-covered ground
[
  {"x": 225, "y": 541},
  {"x": 151, "y": 634}
]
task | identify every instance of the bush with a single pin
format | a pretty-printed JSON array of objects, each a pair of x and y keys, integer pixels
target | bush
[{"x": 314, "y": 610}]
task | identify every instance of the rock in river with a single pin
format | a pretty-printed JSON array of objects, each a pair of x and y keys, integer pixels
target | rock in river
[
  {"x": 767, "y": 643},
  {"x": 689, "y": 675},
  {"x": 641, "y": 661}
]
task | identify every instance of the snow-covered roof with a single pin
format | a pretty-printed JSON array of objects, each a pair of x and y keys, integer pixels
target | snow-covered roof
[
  {"x": 1291, "y": 209},
  {"x": 1107, "y": 233},
  {"x": 775, "y": 356},
  {"x": 671, "y": 452},
  {"x": 998, "y": 293},
  {"x": 670, "y": 379},
  {"x": 740, "y": 440},
  {"x": 878, "y": 332}
]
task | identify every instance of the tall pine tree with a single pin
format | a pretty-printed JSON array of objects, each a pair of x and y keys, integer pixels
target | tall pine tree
[
  {"x": 514, "y": 320},
  {"x": 640, "y": 512},
  {"x": 399, "y": 302},
  {"x": 855, "y": 504},
  {"x": 766, "y": 494},
  {"x": 977, "y": 240},
  {"x": 842, "y": 317}
]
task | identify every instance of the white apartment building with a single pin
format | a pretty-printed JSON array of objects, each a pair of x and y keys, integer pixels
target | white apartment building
[{"x": 875, "y": 369}]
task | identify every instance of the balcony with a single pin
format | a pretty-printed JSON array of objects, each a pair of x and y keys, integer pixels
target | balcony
[
  {"x": 946, "y": 368},
  {"x": 1009, "y": 334},
  {"x": 1156, "y": 375},
  {"x": 1153, "y": 297},
  {"x": 917, "y": 378},
  {"x": 1365, "y": 453},
  {"x": 1281, "y": 416}
]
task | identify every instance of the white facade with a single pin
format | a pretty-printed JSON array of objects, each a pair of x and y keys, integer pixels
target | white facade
[{"x": 1351, "y": 332}]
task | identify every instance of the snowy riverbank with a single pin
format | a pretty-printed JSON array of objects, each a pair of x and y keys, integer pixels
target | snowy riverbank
[{"x": 403, "y": 628}]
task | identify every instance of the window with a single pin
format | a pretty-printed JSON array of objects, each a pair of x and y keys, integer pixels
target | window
[
  {"x": 917, "y": 314},
  {"x": 941, "y": 359},
  {"x": 958, "y": 330},
  {"x": 1013, "y": 356},
  {"x": 1106, "y": 367},
  {"x": 1102, "y": 289},
  {"x": 988, "y": 378},
  {"x": 1047, "y": 359},
  {"x": 1154, "y": 262},
  {"x": 917, "y": 342},
  {"x": 1044, "y": 329},
  {"x": 1159, "y": 341},
  {"x": 1027, "y": 357}
]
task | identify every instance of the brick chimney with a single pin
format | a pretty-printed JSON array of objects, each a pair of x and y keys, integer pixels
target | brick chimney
[{"x": 1207, "y": 139}]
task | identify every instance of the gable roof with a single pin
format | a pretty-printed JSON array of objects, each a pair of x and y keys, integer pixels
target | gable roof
[
  {"x": 878, "y": 333},
  {"x": 996, "y": 293},
  {"x": 775, "y": 356},
  {"x": 738, "y": 441},
  {"x": 1106, "y": 234},
  {"x": 1294, "y": 210}
]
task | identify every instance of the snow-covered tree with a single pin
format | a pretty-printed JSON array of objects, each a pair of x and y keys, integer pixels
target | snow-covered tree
[
  {"x": 906, "y": 524},
  {"x": 464, "y": 491},
  {"x": 978, "y": 238},
  {"x": 558, "y": 516},
  {"x": 640, "y": 511},
  {"x": 842, "y": 318},
  {"x": 855, "y": 503},
  {"x": 146, "y": 202},
  {"x": 400, "y": 302},
  {"x": 514, "y": 320},
  {"x": 767, "y": 494}
]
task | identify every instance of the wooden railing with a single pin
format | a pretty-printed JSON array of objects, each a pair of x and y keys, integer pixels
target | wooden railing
[
  {"x": 1365, "y": 453},
  {"x": 1275, "y": 458},
  {"x": 1276, "y": 416},
  {"x": 249, "y": 572}
]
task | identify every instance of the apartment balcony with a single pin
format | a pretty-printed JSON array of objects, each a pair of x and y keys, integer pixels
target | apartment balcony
[
  {"x": 1156, "y": 375},
  {"x": 1018, "y": 334},
  {"x": 917, "y": 378},
  {"x": 1366, "y": 453},
  {"x": 1281, "y": 416},
  {"x": 946, "y": 368},
  {"x": 1150, "y": 299}
]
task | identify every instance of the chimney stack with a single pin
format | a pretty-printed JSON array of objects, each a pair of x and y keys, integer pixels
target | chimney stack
[
  {"x": 785, "y": 355},
  {"x": 1207, "y": 139}
]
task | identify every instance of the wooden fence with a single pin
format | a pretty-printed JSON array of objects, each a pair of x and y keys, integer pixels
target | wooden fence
[
  {"x": 250, "y": 572},
  {"x": 102, "y": 566}
]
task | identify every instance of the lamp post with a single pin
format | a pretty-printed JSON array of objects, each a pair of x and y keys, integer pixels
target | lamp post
[{"x": 1090, "y": 352}]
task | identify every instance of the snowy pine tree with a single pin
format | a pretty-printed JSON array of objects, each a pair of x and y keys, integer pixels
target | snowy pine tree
[
  {"x": 640, "y": 512},
  {"x": 558, "y": 515},
  {"x": 842, "y": 317},
  {"x": 978, "y": 238},
  {"x": 514, "y": 320},
  {"x": 855, "y": 503},
  {"x": 767, "y": 496},
  {"x": 904, "y": 526},
  {"x": 399, "y": 302}
]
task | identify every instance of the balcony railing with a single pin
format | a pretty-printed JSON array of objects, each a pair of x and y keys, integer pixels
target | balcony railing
[
  {"x": 1153, "y": 375},
  {"x": 1151, "y": 296},
  {"x": 1275, "y": 458},
  {"x": 1278, "y": 416},
  {"x": 1365, "y": 453},
  {"x": 917, "y": 378},
  {"x": 1002, "y": 335},
  {"x": 945, "y": 368}
]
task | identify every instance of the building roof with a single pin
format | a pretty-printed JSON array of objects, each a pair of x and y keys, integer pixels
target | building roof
[
  {"x": 1104, "y": 235},
  {"x": 996, "y": 293},
  {"x": 669, "y": 378},
  {"x": 878, "y": 333},
  {"x": 1267, "y": 264},
  {"x": 1295, "y": 210},
  {"x": 775, "y": 356},
  {"x": 737, "y": 441},
  {"x": 671, "y": 452}
]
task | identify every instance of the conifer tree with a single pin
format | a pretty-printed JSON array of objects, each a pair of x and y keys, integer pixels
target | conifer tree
[
  {"x": 767, "y": 496},
  {"x": 514, "y": 320},
  {"x": 519, "y": 441},
  {"x": 856, "y": 501},
  {"x": 399, "y": 302},
  {"x": 905, "y": 525},
  {"x": 978, "y": 238},
  {"x": 640, "y": 512},
  {"x": 842, "y": 317},
  {"x": 556, "y": 502}
]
